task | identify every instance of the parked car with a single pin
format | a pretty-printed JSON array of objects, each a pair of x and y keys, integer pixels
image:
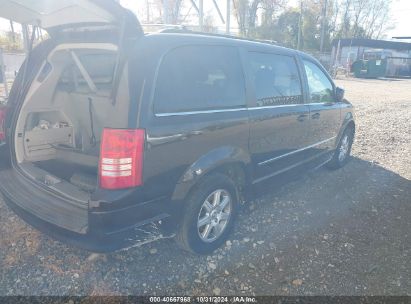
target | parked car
[{"x": 119, "y": 138}]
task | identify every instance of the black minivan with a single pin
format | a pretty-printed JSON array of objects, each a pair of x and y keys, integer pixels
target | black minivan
[{"x": 119, "y": 138}]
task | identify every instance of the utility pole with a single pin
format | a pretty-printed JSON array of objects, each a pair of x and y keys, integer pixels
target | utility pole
[
  {"x": 323, "y": 19},
  {"x": 26, "y": 39},
  {"x": 300, "y": 26},
  {"x": 201, "y": 14},
  {"x": 228, "y": 17},
  {"x": 13, "y": 33}
]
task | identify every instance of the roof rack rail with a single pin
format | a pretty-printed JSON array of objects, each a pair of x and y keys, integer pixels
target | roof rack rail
[{"x": 185, "y": 30}]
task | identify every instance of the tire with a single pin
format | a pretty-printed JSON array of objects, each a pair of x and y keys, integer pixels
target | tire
[
  {"x": 204, "y": 237},
  {"x": 342, "y": 153}
]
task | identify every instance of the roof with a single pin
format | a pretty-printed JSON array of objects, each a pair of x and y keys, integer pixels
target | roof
[
  {"x": 171, "y": 38},
  {"x": 178, "y": 37},
  {"x": 183, "y": 30},
  {"x": 378, "y": 44}
]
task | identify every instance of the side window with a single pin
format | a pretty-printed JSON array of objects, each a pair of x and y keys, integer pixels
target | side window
[
  {"x": 195, "y": 78},
  {"x": 276, "y": 79},
  {"x": 321, "y": 88}
]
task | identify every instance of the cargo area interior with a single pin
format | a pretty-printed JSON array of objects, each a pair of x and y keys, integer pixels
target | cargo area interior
[{"x": 80, "y": 89}]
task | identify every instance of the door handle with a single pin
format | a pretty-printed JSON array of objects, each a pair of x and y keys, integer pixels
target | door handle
[
  {"x": 316, "y": 116},
  {"x": 302, "y": 117}
]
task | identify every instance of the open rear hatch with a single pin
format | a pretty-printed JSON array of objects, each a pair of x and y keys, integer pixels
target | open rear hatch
[
  {"x": 80, "y": 89},
  {"x": 71, "y": 15},
  {"x": 59, "y": 126}
]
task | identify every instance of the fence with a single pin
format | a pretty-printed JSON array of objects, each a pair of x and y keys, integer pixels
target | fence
[{"x": 324, "y": 58}]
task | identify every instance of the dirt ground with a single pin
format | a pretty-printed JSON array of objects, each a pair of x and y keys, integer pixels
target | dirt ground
[{"x": 344, "y": 232}]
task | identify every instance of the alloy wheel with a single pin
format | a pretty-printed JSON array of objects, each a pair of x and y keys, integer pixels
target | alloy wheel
[{"x": 214, "y": 215}]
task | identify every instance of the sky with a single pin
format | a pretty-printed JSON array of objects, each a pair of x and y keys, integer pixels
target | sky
[{"x": 400, "y": 11}]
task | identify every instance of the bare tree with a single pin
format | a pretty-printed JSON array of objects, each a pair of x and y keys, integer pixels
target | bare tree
[
  {"x": 209, "y": 26},
  {"x": 361, "y": 18},
  {"x": 246, "y": 12},
  {"x": 241, "y": 13},
  {"x": 176, "y": 11},
  {"x": 346, "y": 18},
  {"x": 174, "y": 8},
  {"x": 378, "y": 17},
  {"x": 359, "y": 8},
  {"x": 252, "y": 14}
]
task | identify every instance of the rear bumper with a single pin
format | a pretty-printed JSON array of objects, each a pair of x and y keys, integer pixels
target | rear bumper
[
  {"x": 93, "y": 230},
  {"x": 96, "y": 242},
  {"x": 34, "y": 199}
]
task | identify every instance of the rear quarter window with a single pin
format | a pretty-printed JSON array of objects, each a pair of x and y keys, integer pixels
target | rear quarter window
[
  {"x": 99, "y": 65},
  {"x": 196, "y": 78}
]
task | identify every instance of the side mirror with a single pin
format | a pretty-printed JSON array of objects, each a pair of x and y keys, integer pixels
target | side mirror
[{"x": 339, "y": 94}]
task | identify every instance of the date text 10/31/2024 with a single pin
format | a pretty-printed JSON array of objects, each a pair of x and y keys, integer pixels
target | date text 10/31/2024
[{"x": 233, "y": 299}]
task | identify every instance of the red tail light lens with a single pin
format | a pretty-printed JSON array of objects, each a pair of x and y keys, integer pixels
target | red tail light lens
[
  {"x": 3, "y": 112},
  {"x": 121, "y": 158}
]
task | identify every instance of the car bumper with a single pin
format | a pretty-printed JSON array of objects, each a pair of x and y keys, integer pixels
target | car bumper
[{"x": 96, "y": 231}]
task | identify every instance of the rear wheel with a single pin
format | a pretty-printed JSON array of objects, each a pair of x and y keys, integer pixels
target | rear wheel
[
  {"x": 343, "y": 151},
  {"x": 209, "y": 214}
]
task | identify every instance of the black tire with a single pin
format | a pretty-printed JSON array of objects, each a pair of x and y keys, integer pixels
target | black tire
[
  {"x": 336, "y": 161},
  {"x": 188, "y": 235}
]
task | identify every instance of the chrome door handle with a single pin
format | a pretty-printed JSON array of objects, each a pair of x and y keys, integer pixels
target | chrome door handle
[
  {"x": 302, "y": 117},
  {"x": 316, "y": 116}
]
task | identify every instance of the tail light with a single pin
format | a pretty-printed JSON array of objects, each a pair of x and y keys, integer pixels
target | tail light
[
  {"x": 121, "y": 158},
  {"x": 3, "y": 112}
]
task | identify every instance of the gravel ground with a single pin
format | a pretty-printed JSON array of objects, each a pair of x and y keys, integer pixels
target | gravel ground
[{"x": 345, "y": 232}]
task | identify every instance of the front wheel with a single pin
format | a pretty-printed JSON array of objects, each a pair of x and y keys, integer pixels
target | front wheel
[
  {"x": 209, "y": 214},
  {"x": 343, "y": 151}
]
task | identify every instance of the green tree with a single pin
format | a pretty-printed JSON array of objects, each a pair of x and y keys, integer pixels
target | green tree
[
  {"x": 247, "y": 11},
  {"x": 283, "y": 29},
  {"x": 343, "y": 19}
]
